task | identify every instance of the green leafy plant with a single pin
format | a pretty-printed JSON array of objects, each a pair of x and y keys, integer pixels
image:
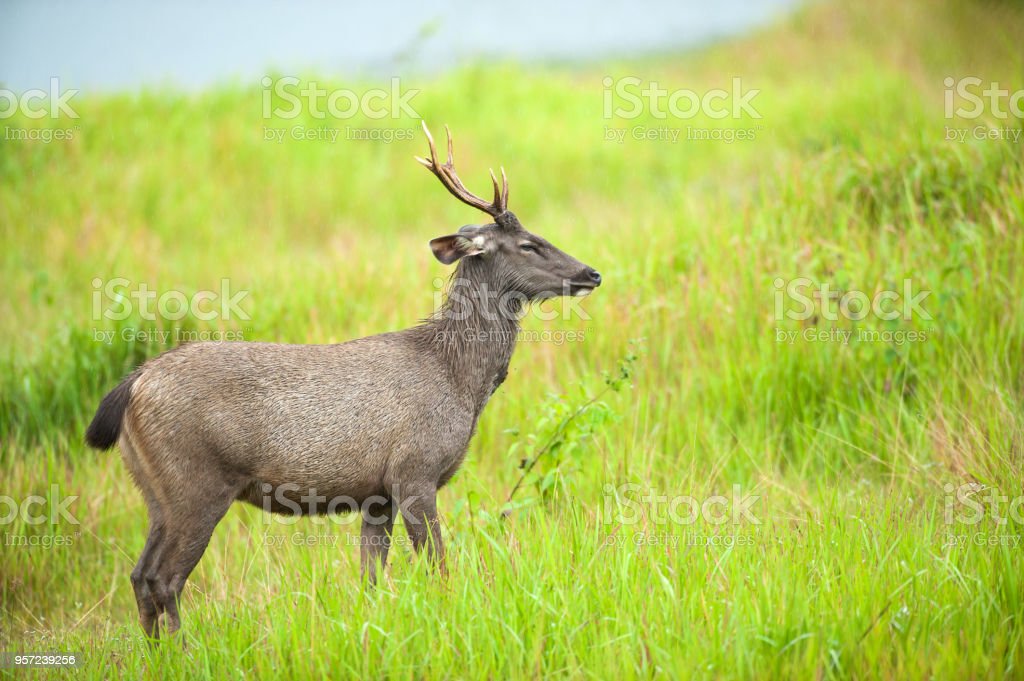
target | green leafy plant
[{"x": 564, "y": 432}]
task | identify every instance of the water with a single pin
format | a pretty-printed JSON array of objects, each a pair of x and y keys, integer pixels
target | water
[{"x": 125, "y": 44}]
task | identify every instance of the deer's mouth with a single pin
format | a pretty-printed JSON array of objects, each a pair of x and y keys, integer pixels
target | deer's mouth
[
  {"x": 580, "y": 290},
  {"x": 585, "y": 283}
]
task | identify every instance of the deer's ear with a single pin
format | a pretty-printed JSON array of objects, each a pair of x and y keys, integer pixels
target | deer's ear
[{"x": 450, "y": 248}]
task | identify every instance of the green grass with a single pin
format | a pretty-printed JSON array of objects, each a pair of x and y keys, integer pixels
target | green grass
[{"x": 847, "y": 571}]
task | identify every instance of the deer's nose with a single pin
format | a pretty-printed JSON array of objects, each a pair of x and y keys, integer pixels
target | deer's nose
[{"x": 594, "y": 276}]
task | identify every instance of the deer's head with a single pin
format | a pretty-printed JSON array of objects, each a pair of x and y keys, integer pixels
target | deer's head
[{"x": 503, "y": 252}]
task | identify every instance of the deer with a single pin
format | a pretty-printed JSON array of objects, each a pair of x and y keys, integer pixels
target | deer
[{"x": 382, "y": 422}]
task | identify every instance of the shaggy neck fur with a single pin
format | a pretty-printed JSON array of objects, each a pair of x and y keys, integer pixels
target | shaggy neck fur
[{"x": 475, "y": 330}]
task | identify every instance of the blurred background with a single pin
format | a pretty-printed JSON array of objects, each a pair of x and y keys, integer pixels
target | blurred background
[
  {"x": 119, "y": 45},
  {"x": 723, "y": 165}
]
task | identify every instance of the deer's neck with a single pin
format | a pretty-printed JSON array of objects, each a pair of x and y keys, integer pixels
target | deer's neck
[{"x": 475, "y": 332}]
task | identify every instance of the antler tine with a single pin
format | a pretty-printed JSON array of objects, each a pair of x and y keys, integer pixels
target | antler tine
[
  {"x": 504, "y": 184},
  {"x": 450, "y": 179},
  {"x": 451, "y": 157},
  {"x": 498, "y": 198},
  {"x": 432, "y": 163}
]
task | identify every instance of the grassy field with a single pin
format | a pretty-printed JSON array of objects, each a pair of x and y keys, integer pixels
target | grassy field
[{"x": 871, "y": 546}]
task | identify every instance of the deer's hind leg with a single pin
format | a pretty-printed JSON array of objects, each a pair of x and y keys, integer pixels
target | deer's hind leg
[
  {"x": 190, "y": 522},
  {"x": 187, "y": 494},
  {"x": 149, "y": 608}
]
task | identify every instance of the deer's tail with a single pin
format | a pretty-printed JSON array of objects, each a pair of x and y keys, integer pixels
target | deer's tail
[{"x": 105, "y": 428}]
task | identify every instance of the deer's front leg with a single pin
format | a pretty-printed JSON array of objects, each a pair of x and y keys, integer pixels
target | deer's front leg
[
  {"x": 419, "y": 513},
  {"x": 375, "y": 537}
]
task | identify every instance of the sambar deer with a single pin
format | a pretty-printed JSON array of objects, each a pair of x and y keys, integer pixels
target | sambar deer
[{"x": 382, "y": 421}]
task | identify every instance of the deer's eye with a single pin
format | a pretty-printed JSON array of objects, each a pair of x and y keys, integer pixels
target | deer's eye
[{"x": 528, "y": 248}]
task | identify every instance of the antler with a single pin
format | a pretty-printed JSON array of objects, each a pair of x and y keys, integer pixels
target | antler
[{"x": 446, "y": 173}]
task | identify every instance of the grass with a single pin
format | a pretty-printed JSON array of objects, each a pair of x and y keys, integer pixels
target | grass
[{"x": 846, "y": 568}]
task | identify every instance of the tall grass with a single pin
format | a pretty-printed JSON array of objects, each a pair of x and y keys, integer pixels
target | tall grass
[{"x": 846, "y": 570}]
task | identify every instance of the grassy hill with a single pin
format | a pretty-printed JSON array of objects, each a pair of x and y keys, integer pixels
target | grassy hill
[{"x": 863, "y": 442}]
